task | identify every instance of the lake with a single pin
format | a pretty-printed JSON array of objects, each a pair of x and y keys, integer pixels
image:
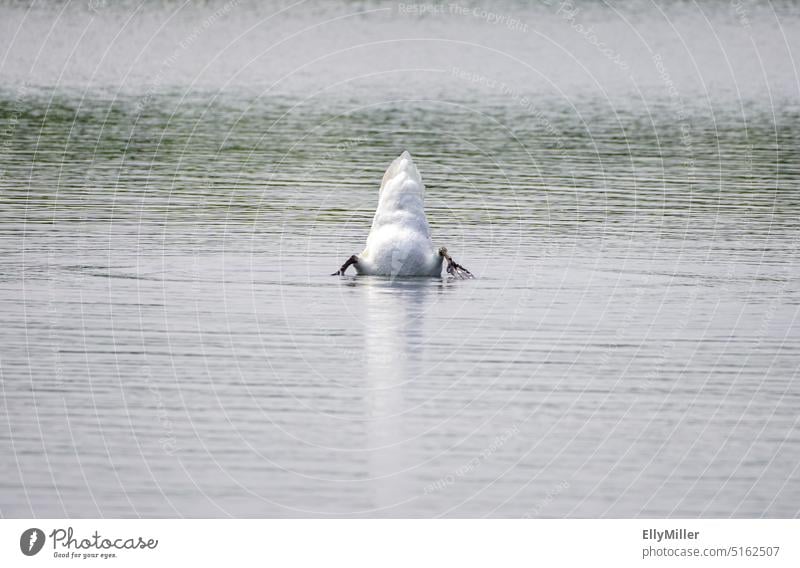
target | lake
[{"x": 178, "y": 183}]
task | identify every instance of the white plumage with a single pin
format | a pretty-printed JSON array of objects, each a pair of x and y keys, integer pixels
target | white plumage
[{"x": 399, "y": 242}]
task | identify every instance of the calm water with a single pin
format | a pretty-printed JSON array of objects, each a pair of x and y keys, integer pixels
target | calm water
[{"x": 177, "y": 184}]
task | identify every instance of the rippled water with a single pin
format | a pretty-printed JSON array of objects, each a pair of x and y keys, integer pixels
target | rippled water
[{"x": 171, "y": 342}]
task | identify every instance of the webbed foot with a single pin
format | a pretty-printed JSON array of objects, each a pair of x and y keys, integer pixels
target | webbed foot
[{"x": 352, "y": 260}]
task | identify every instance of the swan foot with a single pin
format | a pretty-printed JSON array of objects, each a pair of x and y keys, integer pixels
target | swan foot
[
  {"x": 453, "y": 268},
  {"x": 352, "y": 260}
]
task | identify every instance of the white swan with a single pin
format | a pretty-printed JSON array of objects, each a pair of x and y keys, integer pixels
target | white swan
[{"x": 399, "y": 243}]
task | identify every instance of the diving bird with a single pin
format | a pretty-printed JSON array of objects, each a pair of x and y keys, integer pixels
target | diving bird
[{"x": 399, "y": 242}]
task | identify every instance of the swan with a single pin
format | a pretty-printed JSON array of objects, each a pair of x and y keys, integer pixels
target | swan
[{"x": 399, "y": 242}]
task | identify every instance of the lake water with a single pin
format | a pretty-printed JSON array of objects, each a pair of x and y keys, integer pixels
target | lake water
[{"x": 177, "y": 184}]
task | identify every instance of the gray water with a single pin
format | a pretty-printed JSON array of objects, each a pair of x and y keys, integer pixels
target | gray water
[{"x": 177, "y": 183}]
